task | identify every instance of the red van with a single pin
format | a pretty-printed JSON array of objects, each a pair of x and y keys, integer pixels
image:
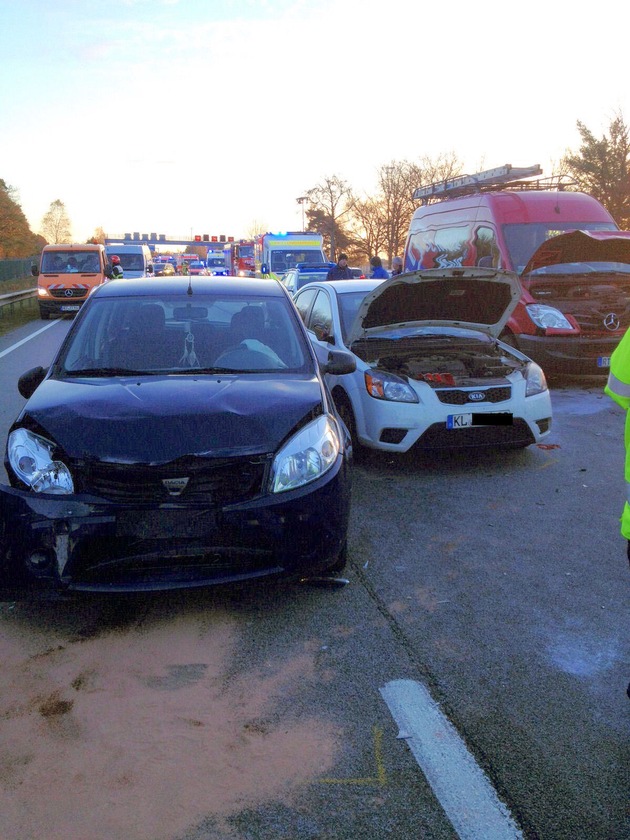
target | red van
[{"x": 572, "y": 314}]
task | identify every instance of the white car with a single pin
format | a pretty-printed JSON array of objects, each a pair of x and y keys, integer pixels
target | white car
[{"x": 431, "y": 372}]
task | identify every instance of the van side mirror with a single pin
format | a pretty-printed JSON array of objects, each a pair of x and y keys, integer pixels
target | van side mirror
[
  {"x": 108, "y": 272},
  {"x": 34, "y": 271},
  {"x": 264, "y": 268}
]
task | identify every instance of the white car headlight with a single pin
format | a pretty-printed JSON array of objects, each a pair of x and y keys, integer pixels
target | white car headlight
[
  {"x": 386, "y": 386},
  {"x": 30, "y": 457},
  {"x": 547, "y": 316},
  {"x": 307, "y": 456},
  {"x": 536, "y": 381}
]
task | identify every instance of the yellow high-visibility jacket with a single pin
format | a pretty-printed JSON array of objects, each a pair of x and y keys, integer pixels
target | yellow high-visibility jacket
[{"x": 618, "y": 387}]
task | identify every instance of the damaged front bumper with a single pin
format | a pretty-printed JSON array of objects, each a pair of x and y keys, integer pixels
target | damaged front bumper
[{"x": 89, "y": 544}]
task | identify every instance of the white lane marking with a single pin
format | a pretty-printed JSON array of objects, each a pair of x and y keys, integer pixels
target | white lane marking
[
  {"x": 463, "y": 790},
  {"x": 28, "y": 338}
]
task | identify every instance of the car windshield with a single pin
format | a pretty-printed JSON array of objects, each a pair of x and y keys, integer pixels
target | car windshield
[
  {"x": 176, "y": 335},
  {"x": 523, "y": 239},
  {"x": 216, "y": 262},
  {"x": 349, "y": 303},
  {"x": 305, "y": 277},
  {"x": 281, "y": 260},
  {"x": 69, "y": 261}
]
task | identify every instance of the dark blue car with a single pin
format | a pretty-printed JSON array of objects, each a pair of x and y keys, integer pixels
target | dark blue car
[{"x": 183, "y": 436}]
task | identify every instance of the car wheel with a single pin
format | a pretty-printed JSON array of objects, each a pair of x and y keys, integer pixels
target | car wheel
[
  {"x": 44, "y": 315},
  {"x": 340, "y": 563},
  {"x": 347, "y": 415}
]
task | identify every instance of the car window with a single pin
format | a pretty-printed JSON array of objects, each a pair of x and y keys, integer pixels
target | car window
[
  {"x": 320, "y": 320},
  {"x": 165, "y": 334},
  {"x": 303, "y": 302}
]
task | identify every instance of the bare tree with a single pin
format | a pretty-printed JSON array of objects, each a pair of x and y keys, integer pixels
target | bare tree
[
  {"x": 255, "y": 228},
  {"x": 368, "y": 227},
  {"x": 55, "y": 226},
  {"x": 330, "y": 201},
  {"x": 98, "y": 237}
]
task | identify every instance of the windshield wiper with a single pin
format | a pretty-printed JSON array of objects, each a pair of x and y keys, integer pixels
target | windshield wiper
[{"x": 109, "y": 371}]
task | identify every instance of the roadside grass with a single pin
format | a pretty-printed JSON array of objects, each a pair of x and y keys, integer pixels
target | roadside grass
[{"x": 16, "y": 314}]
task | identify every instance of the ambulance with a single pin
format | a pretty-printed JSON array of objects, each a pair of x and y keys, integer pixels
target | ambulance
[{"x": 276, "y": 253}]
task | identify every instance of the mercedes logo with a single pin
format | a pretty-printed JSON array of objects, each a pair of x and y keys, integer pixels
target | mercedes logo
[
  {"x": 611, "y": 322},
  {"x": 68, "y": 293}
]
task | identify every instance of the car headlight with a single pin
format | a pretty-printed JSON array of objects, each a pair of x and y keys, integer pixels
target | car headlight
[
  {"x": 386, "y": 386},
  {"x": 307, "y": 456},
  {"x": 548, "y": 317},
  {"x": 536, "y": 381},
  {"x": 31, "y": 459}
]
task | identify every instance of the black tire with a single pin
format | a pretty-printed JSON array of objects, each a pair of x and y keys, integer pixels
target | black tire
[
  {"x": 347, "y": 415},
  {"x": 340, "y": 563},
  {"x": 44, "y": 315}
]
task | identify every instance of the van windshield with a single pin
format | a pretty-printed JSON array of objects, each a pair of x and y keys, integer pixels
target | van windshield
[
  {"x": 523, "y": 239},
  {"x": 131, "y": 262},
  {"x": 282, "y": 260},
  {"x": 69, "y": 262}
]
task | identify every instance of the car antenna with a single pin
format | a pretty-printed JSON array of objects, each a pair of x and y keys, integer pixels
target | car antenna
[{"x": 189, "y": 289}]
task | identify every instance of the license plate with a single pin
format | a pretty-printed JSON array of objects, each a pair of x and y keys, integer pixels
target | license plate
[
  {"x": 164, "y": 524},
  {"x": 603, "y": 361},
  {"x": 70, "y": 308},
  {"x": 463, "y": 421}
]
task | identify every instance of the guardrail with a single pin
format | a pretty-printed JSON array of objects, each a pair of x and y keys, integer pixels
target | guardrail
[{"x": 11, "y": 298}]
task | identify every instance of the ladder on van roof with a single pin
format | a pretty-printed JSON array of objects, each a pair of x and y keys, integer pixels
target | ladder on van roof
[{"x": 507, "y": 175}]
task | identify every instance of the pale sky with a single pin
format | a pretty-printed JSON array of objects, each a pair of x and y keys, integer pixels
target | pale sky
[{"x": 206, "y": 116}]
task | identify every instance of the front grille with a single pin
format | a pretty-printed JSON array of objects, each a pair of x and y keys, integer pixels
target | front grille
[
  {"x": 459, "y": 397},
  {"x": 218, "y": 481},
  {"x": 68, "y": 293},
  {"x": 438, "y": 436}
]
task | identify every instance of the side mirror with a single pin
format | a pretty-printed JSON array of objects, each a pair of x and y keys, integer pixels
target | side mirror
[
  {"x": 339, "y": 363},
  {"x": 29, "y": 381},
  {"x": 108, "y": 271},
  {"x": 264, "y": 268},
  {"x": 150, "y": 268},
  {"x": 34, "y": 271}
]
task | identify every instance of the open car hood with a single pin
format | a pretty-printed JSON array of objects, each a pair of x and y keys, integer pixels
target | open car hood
[
  {"x": 581, "y": 246},
  {"x": 474, "y": 298}
]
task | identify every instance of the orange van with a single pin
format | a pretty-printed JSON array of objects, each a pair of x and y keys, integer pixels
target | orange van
[{"x": 66, "y": 275}]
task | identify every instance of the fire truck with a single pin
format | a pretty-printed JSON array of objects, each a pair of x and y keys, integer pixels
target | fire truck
[
  {"x": 275, "y": 253},
  {"x": 239, "y": 258}
]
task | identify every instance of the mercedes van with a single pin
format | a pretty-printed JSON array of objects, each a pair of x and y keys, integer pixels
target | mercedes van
[
  {"x": 499, "y": 219},
  {"x": 66, "y": 276}
]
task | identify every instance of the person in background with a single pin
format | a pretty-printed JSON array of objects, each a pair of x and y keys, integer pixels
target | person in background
[
  {"x": 378, "y": 272},
  {"x": 397, "y": 266},
  {"x": 341, "y": 270},
  {"x": 117, "y": 269},
  {"x": 618, "y": 388},
  {"x": 72, "y": 264}
]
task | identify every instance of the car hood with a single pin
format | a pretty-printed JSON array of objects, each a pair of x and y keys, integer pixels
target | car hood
[
  {"x": 581, "y": 246},
  {"x": 473, "y": 298},
  {"x": 158, "y": 419}
]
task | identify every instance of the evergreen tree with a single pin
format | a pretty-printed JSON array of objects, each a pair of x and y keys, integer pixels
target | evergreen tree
[{"x": 601, "y": 168}]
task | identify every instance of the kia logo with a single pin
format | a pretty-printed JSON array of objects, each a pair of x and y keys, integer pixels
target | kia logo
[
  {"x": 175, "y": 486},
  {"x": 476, "y": 396},
  {"x": 611, "y": 322}
]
